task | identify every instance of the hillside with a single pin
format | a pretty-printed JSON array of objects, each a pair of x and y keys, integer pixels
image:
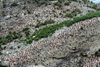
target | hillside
[{"x": 49, "y": 33}]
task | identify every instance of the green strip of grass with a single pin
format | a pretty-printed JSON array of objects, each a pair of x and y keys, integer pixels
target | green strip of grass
[{"x": 49, "y": 30}]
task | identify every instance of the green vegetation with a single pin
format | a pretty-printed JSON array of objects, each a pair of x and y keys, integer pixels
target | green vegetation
[
  {"x": 3, "y": 13},
  {"x": 73, "y": 13},
  {"x": 36, "y": 1},
  {"x": 49, "y": 30},
  {"x": 83, "y": 54},
  {"x": 57, "y": 4},
  {"x": 99, "y": 50},
  {"x": 97, "y": 53},
  {"x": 98, "y": 9},
  {"x": 4, "y": 47},
  {"x": 28, "y": 11},
  {"x": 39, "y": 2},
  {"x": 81, "y": 28},
  {"x": 60, "y": 13},
  {"x": 26, "y": 31},
  {"x": 18, "y": 47},
  {"x": 45, "y": 23},
  {"x": 90, "y": 11},
  {"x": 28, "y": 1},
  {"x": 85, "y": 1},
  {"x": 94, "y": 7},
  {"x": 14, "y": 4},
  {"x": 60, "y": 1},
  {"x": 74, "y": 0},
  {"x": 67, "y": 10},
  {"x": 80, "y": 0},
  {"x": 76, "y": 11},
  {"x": 11, "y": 36},
  {"x": 70, "y": 15},
  {"x": 42, "y": 3},
  {"x": 24, "y": 7},
  {"x": 4, "y": 5},
  {"x": 67, "y": 3}
]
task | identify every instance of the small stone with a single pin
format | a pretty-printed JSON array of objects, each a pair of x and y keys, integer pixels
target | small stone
[
  {"x": 5, "y": 63},
  {"x": 11, "y": 47}
]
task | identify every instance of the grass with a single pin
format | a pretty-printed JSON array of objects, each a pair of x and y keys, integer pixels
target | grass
[
  {"x": 26, "y": 31},
  {"x": 57, "y": 4},
  {"x": 70, "y": 15},
  {"x": 49, "y": 30},
  {"x": 97, "y": 53},
  {"x": 6, "y": 39},
  {"x": 83, "y": 54},
  {"x": 42, "y": 3},
  {"x": 67, "y": 3},
  {"x": 28, "y": 1},
  {"x": 4, "y": 5},
  {"x": 76, "y": 11},
  {"x": 36, "y": 1},
  {"x": 94, "y": 7},
  {"x": 60, "y": 1},
  {"x": 9, "y": 37},
  {"x": 28, "y": 11},
  {"x": 13, "y": 4},
  {"x": 24, "y": 7},
  {"x": 45, "y": 23},
  {"x": 73, "y": 13},
  {"x": 3, "y": 13}
]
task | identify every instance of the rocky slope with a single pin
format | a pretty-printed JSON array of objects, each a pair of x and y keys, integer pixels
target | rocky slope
[
  {"x": 73, "y": 46},
  {"x": 62, "y": 50}
]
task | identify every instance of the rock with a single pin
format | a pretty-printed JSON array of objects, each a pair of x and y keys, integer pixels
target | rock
[
  {"x": 35, "y": 66},
  {"x": 11, "y": 47},
  {"x": 6, "y": 17},
  {"x": 5, "y": 63},
  {"x": 7, "y": 52}
]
